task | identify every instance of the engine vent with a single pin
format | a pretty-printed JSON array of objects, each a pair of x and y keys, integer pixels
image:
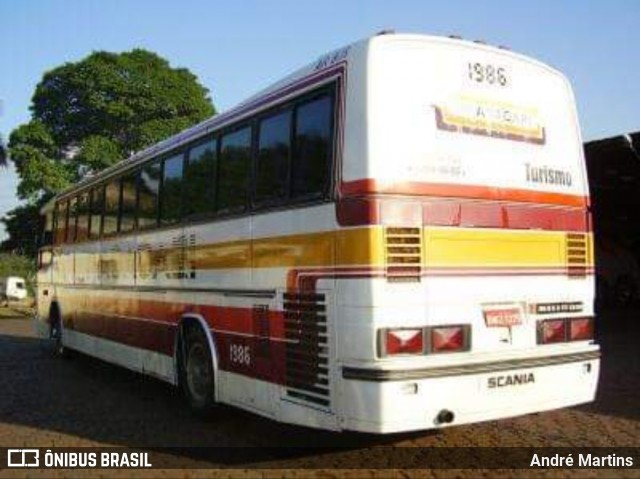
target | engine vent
[
  {"x": 403, "y": 253},
  {"x": 577, "y": 247},
  {"x": 307, "y": 362}
]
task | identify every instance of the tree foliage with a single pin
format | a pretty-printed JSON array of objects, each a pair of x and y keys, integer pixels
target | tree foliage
[
  {"x": 90, "y": 114},
  {"x": 23, "y": 226},
  {"x": 3, "y": 154}
]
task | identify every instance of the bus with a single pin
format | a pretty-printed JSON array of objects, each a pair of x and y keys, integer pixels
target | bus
[{"x": 395, "y": 237}]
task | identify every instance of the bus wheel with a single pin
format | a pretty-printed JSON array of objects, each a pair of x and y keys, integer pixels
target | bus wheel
[{"x": 197, "y": 375}]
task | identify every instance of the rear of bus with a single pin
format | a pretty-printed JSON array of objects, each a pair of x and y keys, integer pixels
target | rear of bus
[{"x": 470, "y": 179}]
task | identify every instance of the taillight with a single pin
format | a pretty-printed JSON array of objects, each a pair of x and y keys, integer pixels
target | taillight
[
  {"x": 428, "y": 340},
  {"x": 448, "y": 339},
  {"x": 581, "y": 329},
  {"x": 404, "y": 341},
  {"x": 565, "y": 329},
  {"x": 552, "y": 331}
]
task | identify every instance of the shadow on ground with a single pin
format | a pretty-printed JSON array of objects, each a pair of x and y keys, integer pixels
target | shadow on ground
[{"x": 105, "y": 404}]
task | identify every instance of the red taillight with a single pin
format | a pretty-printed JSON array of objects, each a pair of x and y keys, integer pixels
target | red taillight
[
  {"x": 428, "y": 340},
  {"x": 404, "y": 341},
  {"x": 581, "y": 329},
  {"x": 448, "y": 338},
  {"x": 565, "y": 329},
  {"x": 552, "y": 331}
]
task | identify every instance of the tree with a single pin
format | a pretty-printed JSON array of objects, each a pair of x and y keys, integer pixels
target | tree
[
  {"x": 23, "y": 226},
  {"x": 90, "y": 114},
  {"x": 3, "y": 154}
]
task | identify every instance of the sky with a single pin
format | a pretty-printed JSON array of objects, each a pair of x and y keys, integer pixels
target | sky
[{"x": 238, "y": 47}]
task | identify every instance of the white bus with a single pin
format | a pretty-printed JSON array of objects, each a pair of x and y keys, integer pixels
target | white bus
[{"x": 395, "y": 237}]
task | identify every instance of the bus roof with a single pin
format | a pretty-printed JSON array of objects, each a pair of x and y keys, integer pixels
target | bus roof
[{"x": 253, "y": 104}]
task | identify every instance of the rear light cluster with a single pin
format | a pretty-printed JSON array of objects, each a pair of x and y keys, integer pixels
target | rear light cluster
[
  {"x": 565, "y": 329},
  {"x": 429, "y": 340}
]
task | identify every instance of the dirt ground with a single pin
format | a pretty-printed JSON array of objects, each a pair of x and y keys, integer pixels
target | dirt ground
[{"x": 83, "y": 402}]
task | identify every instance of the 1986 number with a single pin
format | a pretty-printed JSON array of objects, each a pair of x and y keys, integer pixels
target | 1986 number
[
  {"x": 490, "y": 74},
  {"x": 240, "y": 354}
]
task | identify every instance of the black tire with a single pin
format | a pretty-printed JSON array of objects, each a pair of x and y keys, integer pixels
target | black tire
[{"x": 197, "y": 377}]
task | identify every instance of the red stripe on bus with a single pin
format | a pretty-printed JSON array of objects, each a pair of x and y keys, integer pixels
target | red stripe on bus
[
  {"x": 306, "y": 279},
  {"x": 465, "y": 213},
  {"x": 151, "y": 325},
  {"x": 372, "y": 186},
  {"x": 153, "y": 322}
]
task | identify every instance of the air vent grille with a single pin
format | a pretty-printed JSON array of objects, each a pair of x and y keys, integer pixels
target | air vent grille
[
  {"x": 403, "y": 253},
  {"x": 577, "y": 247},
  {"x": 307, "y": 363}
]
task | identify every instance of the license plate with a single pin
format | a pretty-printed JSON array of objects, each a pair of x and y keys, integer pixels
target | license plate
[{"x": 503, "y": 316}]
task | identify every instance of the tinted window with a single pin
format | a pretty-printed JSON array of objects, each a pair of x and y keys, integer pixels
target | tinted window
[
  {"x": 128, "y": 202},
  {"x": 233, "y": 170},
  {"x": 272, "y": 164},
  {"x": 199, "y": 179},
  {"x": 61, "y": 222},
  {"x": 171, "y": 196},
  {"x": 311, "y": 159},
  {"x": 71, "y": 222},
  {"x": 149, "y": 188},
  {"x": 82, "y": 228},
  {"x": 111, "y": 207},
  {"x": 97, "y": 205}
]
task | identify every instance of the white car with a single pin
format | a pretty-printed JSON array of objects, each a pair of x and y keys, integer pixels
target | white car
[{"x": 13, "y": 288}]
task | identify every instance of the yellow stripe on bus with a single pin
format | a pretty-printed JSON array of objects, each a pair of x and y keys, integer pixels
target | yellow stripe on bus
[
  {"x": 464, "y": 247},
  {"x": 441, "y": 247}
]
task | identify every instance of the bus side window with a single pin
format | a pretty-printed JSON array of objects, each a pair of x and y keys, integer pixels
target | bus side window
[
  {"x": 272, "y": 160},
  {"x": 148, "y": 194},
  {"x": 234, "y": 168},
  {"x": 312, "y": 148},
  {"x": 61, "y": 222},
  {"x": 82, "y": 223},
  {"x": 128, "y": 202},
  {"x": 171, "y": 192},
  {"x": 44, "y": 259},
  {"x": 199, "y": 179},
  {"x": 72, "y": 220},
  {"x": 97, "y": 205},
  {"x": 111, "y": 208},
  {"x": 54, "y": 225}
]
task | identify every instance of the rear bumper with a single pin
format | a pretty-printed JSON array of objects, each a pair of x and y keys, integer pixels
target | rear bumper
[
  {"x": 384, "y": 401},
  {"x": 479, "y": 368}
]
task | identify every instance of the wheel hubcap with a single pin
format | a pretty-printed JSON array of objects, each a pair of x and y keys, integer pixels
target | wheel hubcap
[{"x": 198, "y": 375}]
